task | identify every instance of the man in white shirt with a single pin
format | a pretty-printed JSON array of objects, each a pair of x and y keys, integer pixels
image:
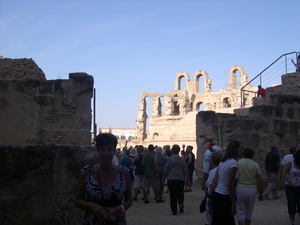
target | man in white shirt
[
  {"x": 288, "y": 158},
  {"x": 206, "y": 162}
]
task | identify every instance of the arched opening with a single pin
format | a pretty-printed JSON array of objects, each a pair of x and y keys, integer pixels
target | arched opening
[
  {"x": 200, "y": 83},
  {"x": 226, "y": 103},
  {"x": 238, "y": 79},
  {"x": 155, "y": 136},
  {"x": 182, "y": 83},
  {"x": 199, "y": 106}
]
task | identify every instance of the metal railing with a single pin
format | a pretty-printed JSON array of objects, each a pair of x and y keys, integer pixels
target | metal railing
[{"x": 282, "y": 65}]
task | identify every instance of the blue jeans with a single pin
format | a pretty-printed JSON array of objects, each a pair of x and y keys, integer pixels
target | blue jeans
[
  {"x": 293, "y": 199},
  {"x": 191, "y": 172}
]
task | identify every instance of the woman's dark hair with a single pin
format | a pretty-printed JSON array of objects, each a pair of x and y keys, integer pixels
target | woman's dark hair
[
  {"x": 248, "y": 153},
  {"x": 168, "y": 153},
  {"x": 175, "y": 149},
  {"x": 106, "y": 139},
  {"x": 297, "y": 157},
  {"x": 231, "y": 150}
]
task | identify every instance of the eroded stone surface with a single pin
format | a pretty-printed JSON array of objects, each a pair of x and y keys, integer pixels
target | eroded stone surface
[
  {"x": 37, "y": 111},
  {"x": 20, "y": 69},
  {"x": 38, "y": 183}
]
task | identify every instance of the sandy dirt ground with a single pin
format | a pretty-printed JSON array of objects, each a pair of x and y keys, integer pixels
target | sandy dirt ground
[{"x": 272, "y": 212}]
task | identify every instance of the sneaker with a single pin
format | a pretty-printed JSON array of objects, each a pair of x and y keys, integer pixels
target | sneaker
[
  {"x": 265, "y": 197},
  {"x": 181, "y": 208},
  {"x": 146, "y": 201},
  {"x": 275, "y": 198},
  {"x": 174, "y": 213},
  {"x": 134, "y": 199},
  {"x": 160, "y": 201}
]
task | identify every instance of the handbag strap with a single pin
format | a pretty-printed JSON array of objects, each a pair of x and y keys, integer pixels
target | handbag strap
[
  {"x": 175, "y": 163},
  {"x": 146, "y": 160}
]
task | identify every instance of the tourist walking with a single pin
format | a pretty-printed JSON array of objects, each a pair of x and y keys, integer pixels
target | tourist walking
[
  {"x": 215, "y": 161},
  {"x": 138, "y": 172},
  {"x": 151, "y": 177},
  {"x": 175, "y": 170},
  {"x": 104, "y": 190},
  {"x": 249, "y": 178},
  {"x": 125, "y": 161},
  {"x": 221, "y": 196},
  {"x": 291, "y": 173},
  {"x": 272, "y": 165},
  {"x": 288, "y": 158},
  {"x": 190, "y": 164},
  {"x": 206, "y": 164},
  {"x": 161, "y": 162}
]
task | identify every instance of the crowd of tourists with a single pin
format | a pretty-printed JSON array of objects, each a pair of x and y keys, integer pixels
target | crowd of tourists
[{"x": 230, "y": 180}]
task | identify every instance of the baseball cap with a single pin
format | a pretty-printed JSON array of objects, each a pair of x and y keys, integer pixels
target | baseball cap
[
  {"x": 216, "y": 148},
  {"x": 211, "y": 144}
]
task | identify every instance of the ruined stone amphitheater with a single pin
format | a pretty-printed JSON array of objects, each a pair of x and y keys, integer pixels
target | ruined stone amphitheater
[{"x": 45, "y": 134}]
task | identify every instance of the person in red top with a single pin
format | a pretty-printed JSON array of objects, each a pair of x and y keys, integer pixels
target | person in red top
[{"x": 261, "y": 92}]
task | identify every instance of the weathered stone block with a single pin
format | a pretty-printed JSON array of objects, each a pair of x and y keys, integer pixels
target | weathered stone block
[
  {"x": 20, "y": 69},
  {"x": 38, "y": 183},
  {"x": 207, "y": 116},
  {"x": 278, "y": 112},
  {"x": 261, "y": 111},
  {"x": 293, "y": 127},
  {"x": 280, "y": 126},
  {"x": 279, "y": 100},
  {"x": 290, "y": 113}
]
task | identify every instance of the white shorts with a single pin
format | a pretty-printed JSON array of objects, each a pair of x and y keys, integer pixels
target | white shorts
[
  {"x": 208, "y": 216},
  {"x": 245, "y": 200},
  {"x": 138, "y": 181}
]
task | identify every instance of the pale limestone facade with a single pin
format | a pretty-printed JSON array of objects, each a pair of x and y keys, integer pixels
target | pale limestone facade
[{"x": 174, "y": 113}]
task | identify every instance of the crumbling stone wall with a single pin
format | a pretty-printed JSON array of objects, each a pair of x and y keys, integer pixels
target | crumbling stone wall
[
  {"x": 45, "y": 125},
  {"x": 173, "y": 113},
  {"x": 38, "y": 183},
  {"x": 20, "y": 69},
  {"x": 272, "y": 120},
  {"x": 34, "y": 110}
]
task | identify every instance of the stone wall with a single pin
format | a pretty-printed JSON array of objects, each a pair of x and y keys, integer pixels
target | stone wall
[
  {"x": 38, "y": 183},
  {"x": 272, "y": 120},
  {"x": 34, "y": 110}
]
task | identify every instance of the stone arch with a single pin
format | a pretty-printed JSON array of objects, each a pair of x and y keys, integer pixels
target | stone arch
[
  {"x": 227, "y": 102},
  {"x": 178, "y": 79},
  {"x": 155, "y": 136},
  {"x": 232, "y": 77},
  {"x": 207, "y": 80},
  {"x": 141, "y": 129},
  {"x": 197, "y": 106}
]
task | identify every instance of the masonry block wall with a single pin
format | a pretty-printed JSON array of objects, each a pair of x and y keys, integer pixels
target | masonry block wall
[
  {"x": 38, "y": 183},
  {"x": 272, "y": 120},
  {"x": 34, "y": 110}
]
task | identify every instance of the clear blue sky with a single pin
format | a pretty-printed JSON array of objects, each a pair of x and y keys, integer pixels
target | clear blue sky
[{"x": 133, "y": 46}]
